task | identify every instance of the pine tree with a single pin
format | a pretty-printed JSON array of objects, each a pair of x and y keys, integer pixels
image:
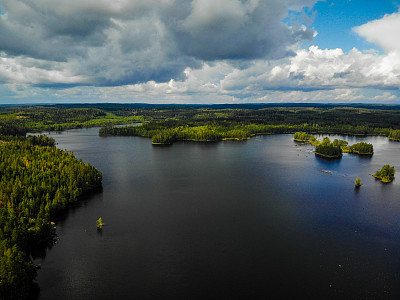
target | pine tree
[{"x": 358, "y": 182}]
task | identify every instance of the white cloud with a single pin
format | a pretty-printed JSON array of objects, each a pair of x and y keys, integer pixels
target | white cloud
[
  {"x": 384, "y": 32},
  {"x": 318, "y": 69},
  {"x": 23, "y": 70},
  {"x": 233, "y": 29},
  {"x": 133, "y": 41},
  {"x": 313, "y": 75},
  {"x": 192, "y": 50}
]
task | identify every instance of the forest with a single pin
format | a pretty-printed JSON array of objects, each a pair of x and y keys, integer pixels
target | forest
[
  {"x": 213, "y": 122},
  {"x": 17, "y": 120},
  {"x": 167, "y": 125},
  {"x": 169, "y": 131},
  {"x": 37, "y": 180}
]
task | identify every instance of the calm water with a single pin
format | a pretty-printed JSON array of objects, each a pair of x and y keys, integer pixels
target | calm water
[{"x": 250, "y": 220}]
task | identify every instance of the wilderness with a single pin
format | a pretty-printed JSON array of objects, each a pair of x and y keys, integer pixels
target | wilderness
[{"x": 38, "y": 180}]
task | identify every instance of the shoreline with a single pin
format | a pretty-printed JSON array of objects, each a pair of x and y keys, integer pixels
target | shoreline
[
  {"x": 327, "y": 156},
  {"x": 382, "y": 180}
]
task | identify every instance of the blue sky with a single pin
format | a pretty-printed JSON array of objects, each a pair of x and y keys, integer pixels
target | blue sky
[
  {"x": 334, "y": 20},
  {"x": 199, "y": 51}
]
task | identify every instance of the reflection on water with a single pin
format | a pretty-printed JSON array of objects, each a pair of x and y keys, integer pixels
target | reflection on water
[
  {"x": 40, "y": 251},
  {"x": 245, "y": 220}
]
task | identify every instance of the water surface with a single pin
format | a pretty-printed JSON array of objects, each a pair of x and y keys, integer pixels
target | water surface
[{"x": 250, "y": 220}]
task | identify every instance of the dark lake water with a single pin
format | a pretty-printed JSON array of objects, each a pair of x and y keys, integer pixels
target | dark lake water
[{"x": 244, "y": 220}]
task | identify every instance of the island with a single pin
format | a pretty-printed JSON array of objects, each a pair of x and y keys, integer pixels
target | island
[
  {"x": 99, "y": 223},
  {"x": 324, "y": 148},
  {"x": 361, "y": 148},
  {"x": 329, "y": 149},
  {"x": 303, "y": 137},
  {"x": 386, "y": 174},
  {"x": 394, "y": 135},
  {"x": 358, "y": 183}
]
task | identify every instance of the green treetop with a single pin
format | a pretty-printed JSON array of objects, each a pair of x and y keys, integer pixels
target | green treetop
[
  {"x": 100, "y": 223},
  {"x": 386, "y": 174}
]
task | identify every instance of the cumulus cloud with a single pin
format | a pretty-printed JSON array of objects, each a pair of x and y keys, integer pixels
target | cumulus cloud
[
  {"x": 313, "y": 75},
  {"x": 117, "y": 42},
  {"x": 23, "y": 70},
  {"x": 316, "y": 69},
  {"x": 384, "y": 32},
  {"x": 233, "y": 29},
  {"x": 187, "y": 51}
]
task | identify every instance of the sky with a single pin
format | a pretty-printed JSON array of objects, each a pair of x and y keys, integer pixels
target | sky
[{"x": 199, "y": 51}]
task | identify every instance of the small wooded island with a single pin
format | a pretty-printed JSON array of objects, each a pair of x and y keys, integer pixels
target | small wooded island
[
  {"x": 386, "y": 174},
  {"x": 358, "y": 183},
  {"x": 303, "y": 137},
  {"x": 359, "y": 148},
  {"x": 334, "y": 149},
  {"x": 99, "y": 223},
  {"x": 329, "y": 149}
]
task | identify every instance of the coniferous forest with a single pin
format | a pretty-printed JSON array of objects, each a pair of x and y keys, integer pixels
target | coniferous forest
[
  {"x": 216, "y": 121},
  {"x": 37, "y": 180}
]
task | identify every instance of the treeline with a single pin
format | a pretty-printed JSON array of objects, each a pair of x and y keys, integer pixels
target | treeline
[
  {"x": 169, "y": 131},
  {"x": 360, "y": 148},
  {"x": 14, "y": 128},
  {"x": 394, "y": 135},
  {"x": 18, "y": 121},
  {"x": 36, "y": 181},
  {"x": 54, "y": 115},
  {"x": 303, "y": 137},
  {"x": 334, "y": 116},
  {"x": 206, "y": 133}
]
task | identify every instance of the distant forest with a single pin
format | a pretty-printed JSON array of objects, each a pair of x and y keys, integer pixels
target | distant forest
[
  {"x": 166, "y": 124},
  {"x": 354, "y": 119}
]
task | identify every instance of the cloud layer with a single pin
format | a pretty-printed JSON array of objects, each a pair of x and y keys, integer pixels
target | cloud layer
[
  {"x": 120, "y": 42},
  {"x": 187, "y": 51}
]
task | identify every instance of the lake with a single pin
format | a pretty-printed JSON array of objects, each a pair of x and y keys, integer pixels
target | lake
[{"x": 246, "y": 220}]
